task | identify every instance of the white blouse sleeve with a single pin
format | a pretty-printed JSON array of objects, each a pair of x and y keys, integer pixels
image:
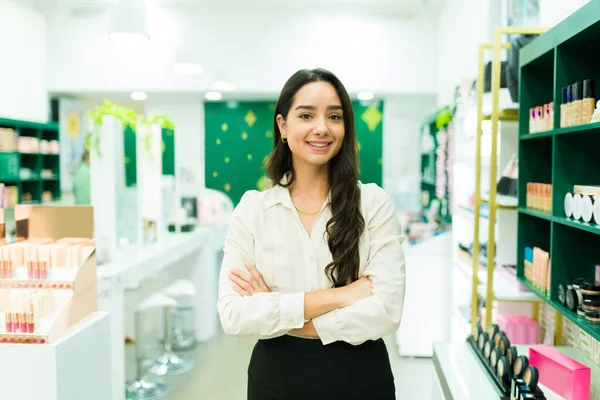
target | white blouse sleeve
[
  {"x": 380, "y": 314},
  {"x": 263, "y": 314}
]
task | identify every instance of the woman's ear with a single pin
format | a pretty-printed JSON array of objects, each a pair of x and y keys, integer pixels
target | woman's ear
[{"x": 281, "y": 125}]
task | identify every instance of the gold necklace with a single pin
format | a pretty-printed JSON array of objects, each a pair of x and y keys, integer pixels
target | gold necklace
[{"x": 304, "y": 212}]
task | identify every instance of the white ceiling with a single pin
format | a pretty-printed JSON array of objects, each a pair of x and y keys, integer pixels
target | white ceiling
[{"x": 391, "y": 8}]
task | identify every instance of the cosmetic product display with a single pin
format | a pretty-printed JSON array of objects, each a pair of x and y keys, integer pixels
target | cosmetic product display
[
  {"x": 518, "y": 329},
  {"x": 47, "y": 283},
  {"x": 588, "y": 101},
  {"x": 29, "y": 145},
  {"x": 537, "y": 268},
  {"x": 577, "y": 104},
  {"x": 9, "y": 196},
  {"x": 539, "y": 196},
  {"x": 541, "y": 118},
  {"x": 582, "y": 203},
  {"x": 8, "y": 140},
  {"x": 563, "y": 375}
]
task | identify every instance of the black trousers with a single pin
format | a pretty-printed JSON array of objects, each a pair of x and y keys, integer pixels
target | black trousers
[{"x": 289, "y": 368}]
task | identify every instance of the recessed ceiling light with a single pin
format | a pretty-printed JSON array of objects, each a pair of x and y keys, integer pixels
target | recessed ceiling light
[
  {"x": 213, "y": 96},
  {"x": 128, "y": 25},
  {"x": 140, "y": 96},
  {"x": 223, "y": 86},
  {"x": 188, "y": 68},
  {"x": 365, "y": 96}
]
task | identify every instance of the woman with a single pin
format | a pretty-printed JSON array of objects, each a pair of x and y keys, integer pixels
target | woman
[{"x": 314, "y": 266}]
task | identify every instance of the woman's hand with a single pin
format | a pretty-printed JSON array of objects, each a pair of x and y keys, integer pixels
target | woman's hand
[
  {"x": 356, "y": 291},
  {"x": 246, "y": 285}
]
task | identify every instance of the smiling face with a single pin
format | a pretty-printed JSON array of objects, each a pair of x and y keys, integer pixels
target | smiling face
[{"x": 314, "y": 127}]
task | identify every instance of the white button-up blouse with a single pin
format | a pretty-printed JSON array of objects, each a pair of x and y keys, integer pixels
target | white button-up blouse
[{"x": 266, "y": 230}]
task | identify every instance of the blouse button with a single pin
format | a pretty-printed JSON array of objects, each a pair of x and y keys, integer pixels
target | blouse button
[{"x": 311, "y": 259}]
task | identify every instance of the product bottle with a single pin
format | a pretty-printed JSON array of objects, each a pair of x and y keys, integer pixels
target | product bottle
[
  {"x": 569, "y": 118},
  {"x": 540, "y": 119},
  {"x": 587, "y": 104},
  {"x": 563, "y": 108},
  {"x": 551, "y": 122},
  {"x": 532, "y": 120},
  {"x": 577, "y": 92}
]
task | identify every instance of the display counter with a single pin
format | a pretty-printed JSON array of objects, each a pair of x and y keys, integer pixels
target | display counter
[
  {"x": 199, "y": 248},
  {"x": 459, "y": 374}
]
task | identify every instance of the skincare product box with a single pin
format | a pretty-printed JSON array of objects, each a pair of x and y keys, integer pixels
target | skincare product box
[{"x": 561, "y": 374}]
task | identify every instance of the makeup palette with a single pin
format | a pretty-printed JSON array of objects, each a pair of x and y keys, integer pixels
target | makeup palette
[
  {"x": 531, "y": 377},
  {"x": 521, "y": 363}
]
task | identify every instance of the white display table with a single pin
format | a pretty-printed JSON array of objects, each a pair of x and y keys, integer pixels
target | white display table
[
  {"x": 458, "y": 374},
  {"x": 137, "y": 264},
  {"x": 74, "y": 367}
]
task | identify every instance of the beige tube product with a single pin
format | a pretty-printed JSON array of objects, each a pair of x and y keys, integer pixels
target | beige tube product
[
  {"x": 587, "y": 208},
  {"x": 597, "y": 210},
  {"x": 593, "y": 190},
  {"x": 563, "y": 108},
  {"x": 569, "y": 205},
  {"x": 588, "y": 102},
  {"x": 577, "y": 202}
]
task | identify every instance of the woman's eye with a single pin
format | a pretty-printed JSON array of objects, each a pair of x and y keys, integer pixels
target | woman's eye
[
  {"x": 305, "y": 116},
  {"x": 335, "y": 117}
]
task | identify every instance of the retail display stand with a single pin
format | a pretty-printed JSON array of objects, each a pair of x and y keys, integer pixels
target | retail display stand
[
  {"x": 562, "y": 155},
  {"x": 29, "y": 159},
  {"x": 71, "y": 291},
  {"x": 115, "y": 205},
  {"x": 76, "y": 365},
  {"x": 497, "y": 115}
]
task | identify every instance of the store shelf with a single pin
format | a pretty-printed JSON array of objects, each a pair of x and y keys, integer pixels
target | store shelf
[
  {"x": 529, "y": 136},
  {"x": 583, "y": 129},
  {"x": 584, "y": 226},
  {"x": 592, "y": 329},
  {"x": 502, "y": 202},
  {"x": 536, "y": 213},
  {"x": 504, "y": 292},
  {"x": 506, "y": 115}
]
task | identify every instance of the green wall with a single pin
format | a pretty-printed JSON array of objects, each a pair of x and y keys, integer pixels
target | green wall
[{"x": 240, "y": 136}]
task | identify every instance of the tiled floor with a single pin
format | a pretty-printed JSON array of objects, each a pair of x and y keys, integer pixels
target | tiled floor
[{"x": 222, "y": 363}]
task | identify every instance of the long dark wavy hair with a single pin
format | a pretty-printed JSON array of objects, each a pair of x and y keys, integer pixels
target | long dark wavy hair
[{"x": 346, "y": 224}]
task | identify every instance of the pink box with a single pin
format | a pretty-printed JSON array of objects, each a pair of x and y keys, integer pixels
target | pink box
[
  {"x": 519, "y": 329},
  {"x": 561, "y": 374}
]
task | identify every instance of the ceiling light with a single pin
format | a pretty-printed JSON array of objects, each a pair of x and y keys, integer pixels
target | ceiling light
[
  {"x": 140, "y": 96},
  {"x": 128, "y": 25},
  {"x": 187, "y": 68},
  {"x": 223, "y": 86},
  {"x": 213, "y": 96},
  {"x": 365, "y": 96}
]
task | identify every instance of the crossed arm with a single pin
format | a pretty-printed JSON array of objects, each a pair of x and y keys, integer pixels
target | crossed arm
[{"x": 365, "y": 310}]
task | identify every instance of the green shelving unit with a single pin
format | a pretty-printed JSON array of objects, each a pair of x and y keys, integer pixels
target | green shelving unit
[
  {"x": 12, "y": 162},
  {"x": 563, "y": 157}
]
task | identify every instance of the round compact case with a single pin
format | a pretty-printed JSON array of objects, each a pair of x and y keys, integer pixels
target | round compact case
[
  {"x": 496, "y": 355},
  {"x": 493, "y": 330},
  {"x": 497, "y": 337},
  {"x": 520, "y": 365},
  {"x": 503, "y": 371},
  {"x": 572, "y": 299},
  {"x": 587, "y": 207},
  {"x": 478, "y": 331},
  {"x": 593, "y": 316},
  {"x": 482, "y": 340},
  {"x": 562, "y": 294},
  {"x": 531, "y": 377},
  {"x": 589, "y": 288},
  {"x": 512, "y": 355},
  {"x": 569, "y": 205},
  {"x": 577, "y": 206},
  {"x": 488, "y": 348},
  {"x": 504, "y": 345}
]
